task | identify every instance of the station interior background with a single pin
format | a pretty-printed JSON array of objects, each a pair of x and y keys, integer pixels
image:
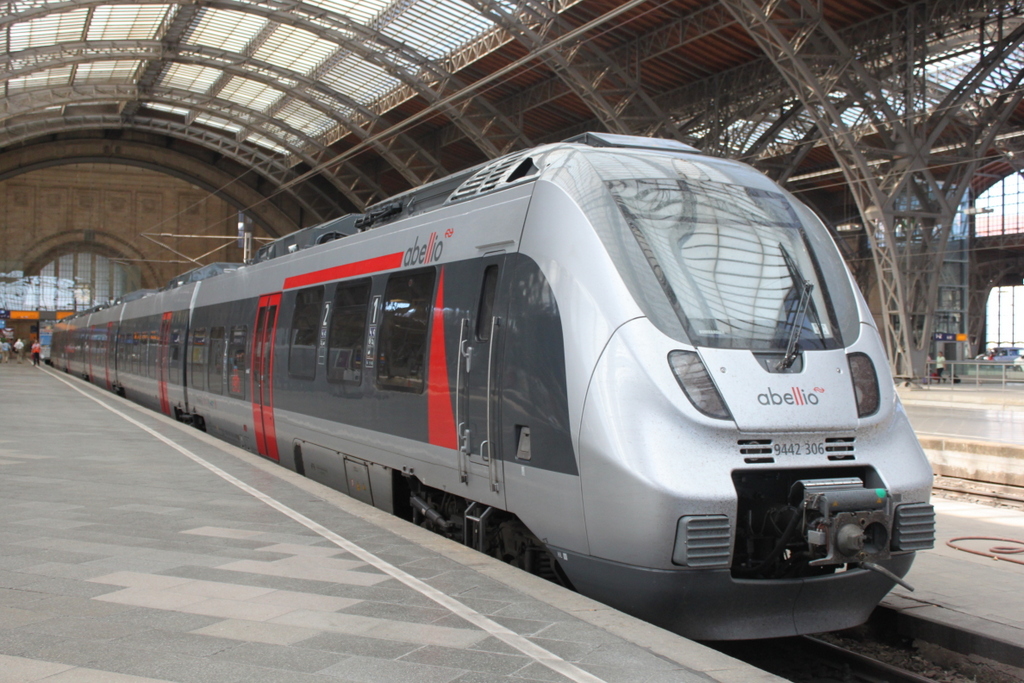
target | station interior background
[{"x": 138, "y": 141}]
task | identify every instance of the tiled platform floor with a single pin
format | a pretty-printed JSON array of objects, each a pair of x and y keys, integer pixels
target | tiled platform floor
[{"x": 124, "y": 558}]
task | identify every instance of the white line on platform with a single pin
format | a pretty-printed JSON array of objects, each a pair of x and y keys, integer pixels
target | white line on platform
[{"x": 531, "y": 649}]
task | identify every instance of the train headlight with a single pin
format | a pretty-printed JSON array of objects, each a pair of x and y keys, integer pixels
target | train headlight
[
  {"x": 697, "y": 384},
  {"x": 865, "y": 383}
]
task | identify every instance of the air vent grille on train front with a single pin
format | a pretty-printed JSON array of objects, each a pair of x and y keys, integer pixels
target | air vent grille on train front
[
  {"x": 914, "y": 527},
  {"x": 702, "y": 541},
  {"x": 839, "y": 448},
  {"x": 755, "y": 446},
  {"x": 491, "y": 176}
]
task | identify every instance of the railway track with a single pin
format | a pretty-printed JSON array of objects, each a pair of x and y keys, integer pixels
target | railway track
[
  {"x": 860, "y": 667},
  {"x": 810, "y": 659},
  {"x": 978, "y": 491}
]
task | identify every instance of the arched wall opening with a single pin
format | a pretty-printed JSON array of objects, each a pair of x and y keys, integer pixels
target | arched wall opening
[
  {"x": 1000, "y": 213},
  {"x": 153, "y": 224}
]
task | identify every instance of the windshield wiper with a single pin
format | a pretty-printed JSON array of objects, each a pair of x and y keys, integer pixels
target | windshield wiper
[{"x": 806, "y": 287}]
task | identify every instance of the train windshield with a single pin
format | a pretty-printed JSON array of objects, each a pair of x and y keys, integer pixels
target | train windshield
[{"x": 734, "y": 261}]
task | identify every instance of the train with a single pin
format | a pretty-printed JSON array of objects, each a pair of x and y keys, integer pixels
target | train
[{"x": 616, "y": 362}]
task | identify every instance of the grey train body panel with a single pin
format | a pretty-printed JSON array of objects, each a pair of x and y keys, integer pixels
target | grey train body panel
[{"x": 616, "y": 363}]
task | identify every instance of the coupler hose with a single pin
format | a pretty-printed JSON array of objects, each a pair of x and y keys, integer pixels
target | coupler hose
[{"x": 430, "y": 513}]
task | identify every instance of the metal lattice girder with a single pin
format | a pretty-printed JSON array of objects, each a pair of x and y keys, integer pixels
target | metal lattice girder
[
  {"x": 662, "y": 40},
  {"x": 893, "y": 182},
  {"x": 248, "y": 52},
  {"x": 298, "y": 86},
  {"x": 41, "y": 99},
  {"x": 154, "y": 70},
  {"x": 728, "y": 113},
  {"x": 318, "y": 204},
  {"x": 421, "y": 165},
  {"x": 465, "y": 93},
  {"x": 425, "y": 77},
  {"x": 430, "y": 79},
  {"x": 232, "y": 63},
  {"x": 612, "y": 93}
]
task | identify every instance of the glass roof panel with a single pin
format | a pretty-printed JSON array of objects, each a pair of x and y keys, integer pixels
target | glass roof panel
[
  {"x": 303, "y": 117},
  {"x": 160, "y": 106},
  {"x": 363, "y": 11},
  {"x": 48, "y": 29},
  {"x": 217, "y": 122},
  {"x": 432, "y": 27},
  {"x": 266, "y": 142},
  {"x": 436, "y": 27},
  {"x": 295, "y": 49},
  {"x": 126, "y": 22},
  {"x": 41, "y": 79},
  {"x": 190, "y": 77},
  {"x": 112, "y": 71},
  {"x": 361, "y": 80},
  {"x": 330, "y": 103},
  {"x": 249, "y": 93},
  {"x": 225, "y": 29}
]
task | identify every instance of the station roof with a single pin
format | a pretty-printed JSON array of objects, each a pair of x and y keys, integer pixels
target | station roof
[{"x": 379, "y": 95}]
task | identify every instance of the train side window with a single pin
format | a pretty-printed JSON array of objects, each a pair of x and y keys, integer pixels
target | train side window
[
  {"x": 304, "y": 332},
  {"x": 237, "y": 361},
  {"x": 215, "y": 366},
  {"x": 347, "y": 332},
  {"x": 197, "y": 369},
  {"x": 175, "y": 348},
  {"x": 486, "y": 308},
  {"x": 402, "y": 349}
]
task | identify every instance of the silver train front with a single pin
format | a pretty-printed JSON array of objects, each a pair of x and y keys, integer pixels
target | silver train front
[{"x": 657, "y": 474}]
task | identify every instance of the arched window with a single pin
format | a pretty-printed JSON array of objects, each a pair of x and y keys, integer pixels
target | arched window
[
  {"x": 1000, "y": 211},
  {"x": 72, "y": 282}
]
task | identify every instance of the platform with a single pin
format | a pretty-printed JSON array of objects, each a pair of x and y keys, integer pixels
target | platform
[
  {"x": 137, "y": 549},
  {"x": 965, "y": 602}
]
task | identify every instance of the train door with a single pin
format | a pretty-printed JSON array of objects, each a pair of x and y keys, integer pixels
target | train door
[
  {"x": 162, "y": 358},
  {"x": 478, "y": 394},
  {"x": 87, "y": 348},
  {"x": 263, "y": 375},
  {"x": 109, "y": 348}
]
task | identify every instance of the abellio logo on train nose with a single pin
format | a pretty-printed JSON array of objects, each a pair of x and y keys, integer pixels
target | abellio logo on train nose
[
  {"x": 794, "y": 397},
  {"x": 419, "y": 254}
]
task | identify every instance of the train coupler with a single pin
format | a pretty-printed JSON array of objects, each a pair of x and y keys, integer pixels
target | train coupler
[{"x": 845, "y": 522}]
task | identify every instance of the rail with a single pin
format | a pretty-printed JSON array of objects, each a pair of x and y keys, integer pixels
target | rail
[{"x": 974, "y": 374}]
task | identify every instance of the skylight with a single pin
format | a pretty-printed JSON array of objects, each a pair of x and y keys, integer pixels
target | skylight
[{"x": 126, "y": 22}]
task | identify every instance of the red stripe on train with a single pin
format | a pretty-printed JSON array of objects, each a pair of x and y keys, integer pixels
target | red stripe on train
[
  {"x": 440, "y": 416},
  {"x": 365, "y": 267}
]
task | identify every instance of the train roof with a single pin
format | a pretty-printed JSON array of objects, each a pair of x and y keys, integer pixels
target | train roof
[
  {"x": 310, "y": 237},
  {"x": 202, "y": 273},
  {"x": 492, "y": 176}
]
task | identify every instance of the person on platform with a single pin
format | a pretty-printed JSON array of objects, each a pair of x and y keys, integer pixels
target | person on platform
[
  {"x": 19, "y": 348},
  {"x": 940, "y": 364},
  {"x": 5, "y": 351},
  {"x": 37, "y": 352}
]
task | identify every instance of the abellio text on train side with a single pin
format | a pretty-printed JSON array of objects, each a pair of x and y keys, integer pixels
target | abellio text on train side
[{"x": 422, "y": 254}]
